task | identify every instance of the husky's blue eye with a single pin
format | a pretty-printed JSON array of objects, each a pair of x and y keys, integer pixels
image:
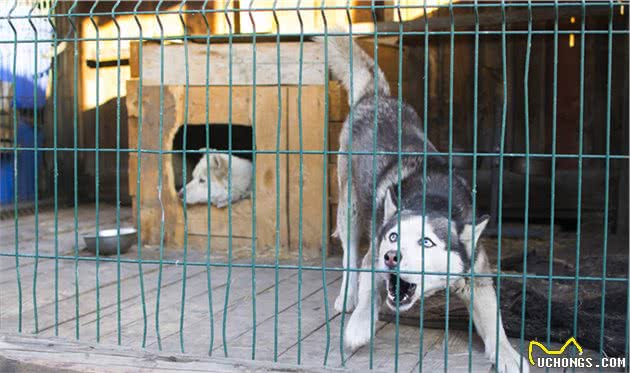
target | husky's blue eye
[
  {"x": 393, "y": 237},
  {"x": 426, "y": 243}
]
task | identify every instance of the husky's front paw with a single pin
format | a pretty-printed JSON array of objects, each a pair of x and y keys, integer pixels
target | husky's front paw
[
  {"x": 350, "y": 302},
  {"x": 509, "y": 361},
  {"x": 358, "y": 331}
]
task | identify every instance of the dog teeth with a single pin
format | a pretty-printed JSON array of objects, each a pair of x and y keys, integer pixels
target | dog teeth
[{"x": 392, "y": 297}]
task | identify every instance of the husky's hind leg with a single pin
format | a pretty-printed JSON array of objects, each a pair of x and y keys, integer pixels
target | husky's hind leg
[{"x": 349, "y": 236}]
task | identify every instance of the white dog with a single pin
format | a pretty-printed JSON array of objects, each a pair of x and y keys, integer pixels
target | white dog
[{"x": 217, "y": 177}]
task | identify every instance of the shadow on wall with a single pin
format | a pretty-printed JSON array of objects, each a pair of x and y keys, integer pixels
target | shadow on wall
[{"x": 107, "y": 155}]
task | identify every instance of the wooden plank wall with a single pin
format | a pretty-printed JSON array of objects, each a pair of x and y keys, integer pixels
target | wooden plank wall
[
  {"x": 65, "y": 116},
  {"x": 490, "y": 100},
  {"x": 268, "y": 167}
]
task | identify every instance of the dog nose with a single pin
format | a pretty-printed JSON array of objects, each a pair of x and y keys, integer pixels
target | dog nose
[
  {"x": 180, "y": 194},
  {"x": 392, "y": 258}
]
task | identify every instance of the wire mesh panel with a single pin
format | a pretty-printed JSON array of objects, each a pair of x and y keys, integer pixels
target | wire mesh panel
[{"x": 390, "y": 185}]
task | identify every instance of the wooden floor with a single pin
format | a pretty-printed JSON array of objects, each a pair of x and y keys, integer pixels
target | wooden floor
[{"x": 114, "y": 311}]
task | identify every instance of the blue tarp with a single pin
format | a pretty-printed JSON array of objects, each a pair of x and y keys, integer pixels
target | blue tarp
[
  {"x": 25, "y": 166},
  {"x": 32, "y": 68}
]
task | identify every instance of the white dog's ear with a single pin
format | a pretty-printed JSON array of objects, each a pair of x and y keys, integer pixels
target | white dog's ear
[
  {"x": 218, "y": 162},
  {"x": 466, "y": 236},
  {"x": 390, "y": 207}
]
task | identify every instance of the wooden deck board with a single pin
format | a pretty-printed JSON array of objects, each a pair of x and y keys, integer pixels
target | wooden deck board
[
  {"x": 170, "y": 301},
  {"x": 287, "y": 317},
  {"x": 317, "y": 321},
  {"x": 239, "y": 299},
  {"x": 313, "y": 344},
  {"x": 66, "y": 291},
  {"x": 65, "y": 229},
  {"x": 27, "y": 353},
  {"x": 131, "y": 305},
  {"x": 384, "y": 355},
  {"x": 457, "y": 354},
  {"x": 196, "y": 334}
]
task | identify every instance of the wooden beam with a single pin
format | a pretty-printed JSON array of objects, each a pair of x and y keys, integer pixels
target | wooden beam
[
  {"x": 240, "y": 57},
  {"x": 488, "y": 17},
  {"x": 21, "y": 353}
]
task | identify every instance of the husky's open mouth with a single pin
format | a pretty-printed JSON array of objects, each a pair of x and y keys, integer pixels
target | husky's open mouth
[{"x": 404, "y": 289}]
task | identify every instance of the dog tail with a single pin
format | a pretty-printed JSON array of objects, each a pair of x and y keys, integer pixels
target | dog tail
[{"x": 358, "y": 78}]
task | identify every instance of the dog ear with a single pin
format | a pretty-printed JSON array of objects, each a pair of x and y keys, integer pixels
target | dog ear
[
  {"x": 218, "y": 163},
  {"x": 389, "y": 206},
  {"x": 466, "y": 236}
]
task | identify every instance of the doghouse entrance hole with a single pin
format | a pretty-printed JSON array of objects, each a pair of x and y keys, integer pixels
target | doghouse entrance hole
[{"x": 196, "y": 139}]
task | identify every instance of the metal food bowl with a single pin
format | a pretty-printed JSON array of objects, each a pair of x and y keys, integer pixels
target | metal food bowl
[{"x": 108, "y": 240}]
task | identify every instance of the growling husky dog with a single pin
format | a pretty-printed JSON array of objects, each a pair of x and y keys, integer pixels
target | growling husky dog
[
  {"x": 217, "y": 177},
  {"x": 421, "y": 230}
]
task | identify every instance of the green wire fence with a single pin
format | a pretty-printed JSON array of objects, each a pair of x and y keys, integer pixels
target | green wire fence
[{"x": 62, "y": 27}]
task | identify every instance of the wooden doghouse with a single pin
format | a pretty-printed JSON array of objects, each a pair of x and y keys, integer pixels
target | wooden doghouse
[{"x": 270, "y": 164}]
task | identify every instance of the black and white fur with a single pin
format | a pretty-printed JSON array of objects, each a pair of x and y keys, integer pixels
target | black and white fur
[{"x": 401, "y": 246}]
